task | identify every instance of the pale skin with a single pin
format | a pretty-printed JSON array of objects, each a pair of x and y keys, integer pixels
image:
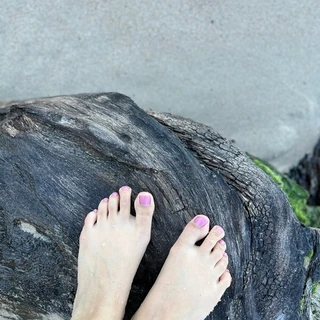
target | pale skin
[{"x": 112, "y": 244}]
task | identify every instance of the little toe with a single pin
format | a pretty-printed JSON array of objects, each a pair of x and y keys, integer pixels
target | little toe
[
  {"x": 113, "y": 204},
  {"x": 125, "y": 201},
  {"x": 144, "y": 207},
  {"x": 225, "y": 280},
  {"x": 103, "y": 210},
  {"x": 221, "y": 265},
  {"x": 195, "y": 230},
  {"x": 216, "y": 234}
]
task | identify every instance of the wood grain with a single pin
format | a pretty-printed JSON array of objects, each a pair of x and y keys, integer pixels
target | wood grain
[{"x": 60, "y": 156}]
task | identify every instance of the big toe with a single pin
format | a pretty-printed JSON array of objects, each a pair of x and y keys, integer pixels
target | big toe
[
  {"x": 195, "y": 230},
  {"x": 144, "y": 207}
]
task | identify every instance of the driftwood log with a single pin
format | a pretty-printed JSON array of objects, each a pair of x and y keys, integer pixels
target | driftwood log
[{"x": 60, "y": 156}]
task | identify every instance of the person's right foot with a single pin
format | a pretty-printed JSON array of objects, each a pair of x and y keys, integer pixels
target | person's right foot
[{"x": 193, "y": 278}]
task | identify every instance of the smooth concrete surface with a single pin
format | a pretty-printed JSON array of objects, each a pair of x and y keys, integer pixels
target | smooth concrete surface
[{"x": 250, "y": 69}]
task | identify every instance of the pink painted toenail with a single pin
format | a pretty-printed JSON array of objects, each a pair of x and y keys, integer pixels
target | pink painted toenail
[
  {"x": 145, "y": 200},
  {"x": 95, "y": 210},
  {"x": 115, "y": 194},
  {"x": 219, "y": 229},
  {"x": 222, "y": 242},
  {"x": 225, "y": 254},
  {"x": 200, "y": 221},
  {"x": 125, "y": 188},
  {"x": 105, "y": 200},
  {"x": 227, "y": 270}
]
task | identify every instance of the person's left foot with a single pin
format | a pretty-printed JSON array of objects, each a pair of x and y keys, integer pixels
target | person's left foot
[
  {"x": 193, "y": 278},
  {"x": 112, "y": 244}
]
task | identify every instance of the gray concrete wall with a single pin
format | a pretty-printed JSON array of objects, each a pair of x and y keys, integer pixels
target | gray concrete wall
[{"x": 250, "y": 69}]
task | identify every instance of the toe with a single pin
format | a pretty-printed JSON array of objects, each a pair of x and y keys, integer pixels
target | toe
[
  {"x": 221, "y": 265},
  {"x": 212, "y": 239},
  {"x": 103, "y": 210},
  {"x": 113, "y": 204},
  {"x": 225, "y": 280},
  {"x": 144, "y": 207},
  {"x": 125, "y": 201},
  {"x": 218, "y": 252},
  {"x": 90, "y": 219},
  {"x": 195, "y": 230}
]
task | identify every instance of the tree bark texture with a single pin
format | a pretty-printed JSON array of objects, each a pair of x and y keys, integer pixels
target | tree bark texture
[
  {"x": 60, "y": 156},
  {"x": 307, "y": 174}
]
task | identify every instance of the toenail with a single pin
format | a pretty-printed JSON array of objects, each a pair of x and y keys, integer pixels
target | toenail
[
  {"x": 115, "y": 194},
  {"x": 95, "y": 210},
  {"x": 225, "y": 254},
  {"x": 105, "y": 200},
  {"x": 227, "y": 270},
  {"x": 145, "y": 200},
  {"x": 200, "y": 221},
  {"x": 222, "y": 242},
  {"x": 218, "y": 229},
  {"x": 125, "y": 188}
]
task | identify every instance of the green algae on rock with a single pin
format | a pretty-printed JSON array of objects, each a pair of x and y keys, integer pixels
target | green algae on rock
[{"x": 297, "y": 195}]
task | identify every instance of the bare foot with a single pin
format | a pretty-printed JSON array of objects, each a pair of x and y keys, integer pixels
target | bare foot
[
  {"x": 193, "y": 278},
  {"x": 112, "y": 244}
]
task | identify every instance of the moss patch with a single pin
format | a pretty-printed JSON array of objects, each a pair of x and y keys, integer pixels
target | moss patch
[
  {"x": 302, "y": 305},
  {"x": 307, "y": 259},
  {"x": 315, "y": 288},
  {"x": 297, "y": 195},
  {"x": 310, "y": 301},
  {"x": 315, "y": 300},
  {"x": 310, "y": 254}
]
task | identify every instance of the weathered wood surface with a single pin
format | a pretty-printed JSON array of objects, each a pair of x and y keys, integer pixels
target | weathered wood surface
[
  {"x": 307, "y": 174},
  {"x": 60, "y": 156}
]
